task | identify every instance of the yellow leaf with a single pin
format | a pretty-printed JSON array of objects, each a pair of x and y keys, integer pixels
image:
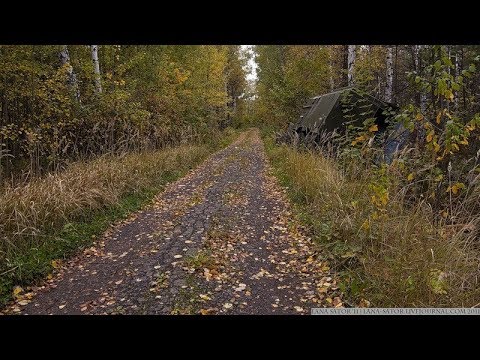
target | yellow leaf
[
  {"x": 439, "y": 117},
  {"x": 17, "y": 290},
  {"x": 455, "y": 146},
  {"x": 56, "y": 264},
  {"x": 430, "y": 136},
  {"x": 419, "y": 117},
  {"x": 373, "y": 128},
  {"x": 366, "y": 225},
  {"x": 436, "y": 147},
  {"x": 444, "y": 213},
  {"x": 410, "y": 177},
  {"x": 358, "y": 139},
  {"x": 463, "y": 142}
]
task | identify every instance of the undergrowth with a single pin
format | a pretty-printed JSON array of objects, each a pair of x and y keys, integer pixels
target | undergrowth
[
  {"x": 388, "y": 251},
  {"x": 52, "y": 217}
]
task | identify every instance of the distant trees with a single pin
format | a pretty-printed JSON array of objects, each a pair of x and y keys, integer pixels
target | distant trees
[
  {"x": 133, "y": 97},
  {"x": 388, "y": 72}
]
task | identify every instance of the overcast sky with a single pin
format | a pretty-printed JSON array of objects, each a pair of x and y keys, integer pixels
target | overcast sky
[{"x": 252, "y": 65}]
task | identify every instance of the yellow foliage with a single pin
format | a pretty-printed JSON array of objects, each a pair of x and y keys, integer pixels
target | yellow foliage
[
  {"x": 455, "y": 188},
  {"x": 366, "y": 225},
  {"x": 430, "y": 135},
  {"x": 359, "y": 139}
]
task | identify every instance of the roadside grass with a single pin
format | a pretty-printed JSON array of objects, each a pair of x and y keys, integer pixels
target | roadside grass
[
  {"x": 386, "y": 252},
  {"x": 53, "y": 217}
]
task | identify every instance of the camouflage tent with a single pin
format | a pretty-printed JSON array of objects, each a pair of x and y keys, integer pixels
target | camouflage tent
[
  {"x": 350, "y": 106},
  {"x": 340, "y": 108}
]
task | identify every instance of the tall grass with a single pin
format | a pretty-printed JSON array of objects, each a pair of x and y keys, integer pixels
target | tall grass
[
  {"x": 52, "y": 216},
  {"x": 389, "y": 252}
]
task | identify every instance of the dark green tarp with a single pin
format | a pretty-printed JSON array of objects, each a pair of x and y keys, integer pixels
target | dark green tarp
[{"x": 340, "y": 108}]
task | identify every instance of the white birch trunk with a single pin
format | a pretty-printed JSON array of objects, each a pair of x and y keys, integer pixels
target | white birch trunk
[
  {"x": 72, "y": 77},
  {"x": 423, "y": 98},
  {"x": 389, "y": 85},
  {"x": 457, "y": 73},
  {"x": 351, "y": 64},
  {"x": 96, "y": 68}
]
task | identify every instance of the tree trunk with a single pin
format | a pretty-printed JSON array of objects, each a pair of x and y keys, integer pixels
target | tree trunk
[
  {"x": 418, "y": 68},
  {"x": 72, "y": 77},
  {"x": 457, "y": 73},
  {"x": 351, "y": 64},
  {"x": 330, "y": 68},
  {"x": 96, "y": 68},
  {"x": 389, "y": 85}
]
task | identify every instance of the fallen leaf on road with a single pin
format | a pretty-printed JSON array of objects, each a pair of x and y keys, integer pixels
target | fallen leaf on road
[
  {"x": 62, "y": 306},
  {"x": 23, "y": 302},
  {"x": 17, "y": 290},
  {"x": 227, "y": 306},
  {"x": 298, "y": 308},
  {"x": 118, "y": 282},
  {"x": 210, "y": 311},
  {"x": 204, "y": 297},
  {"x": 364, "y": 303},
  {"x": 178, "y": 256},
  {"x": 240, "y": 287}
]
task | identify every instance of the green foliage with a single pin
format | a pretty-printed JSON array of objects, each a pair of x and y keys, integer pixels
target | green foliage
[{"x": 152, "y": 96}]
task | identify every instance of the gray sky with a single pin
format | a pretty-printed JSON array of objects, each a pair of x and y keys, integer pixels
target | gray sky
[{"x": 252, "y": 65}]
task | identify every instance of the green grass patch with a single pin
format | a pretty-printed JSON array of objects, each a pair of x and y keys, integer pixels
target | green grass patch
[{"x": 70, "y": 210}]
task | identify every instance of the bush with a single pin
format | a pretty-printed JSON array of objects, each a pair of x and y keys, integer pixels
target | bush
[{"x": 390, "y": 251}]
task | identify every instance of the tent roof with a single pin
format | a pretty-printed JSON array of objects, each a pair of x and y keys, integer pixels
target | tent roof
[{"x": 327, "y": 111}]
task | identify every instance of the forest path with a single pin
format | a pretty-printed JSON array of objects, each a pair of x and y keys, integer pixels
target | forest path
[{"x": 221, "y": 240}]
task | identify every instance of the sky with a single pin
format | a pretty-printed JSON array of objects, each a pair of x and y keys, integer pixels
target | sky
[{"x": 252, "y": 65}]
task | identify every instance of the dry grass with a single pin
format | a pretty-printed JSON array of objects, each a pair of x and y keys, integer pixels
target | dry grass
[
  {"x": 30, "y": 211},
  {"x": 392, "y": 254}
]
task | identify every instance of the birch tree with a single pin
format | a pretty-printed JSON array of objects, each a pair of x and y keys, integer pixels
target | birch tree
[
  {"x": 389, "y": 85},
  {"x": 96, "y": 68},
  {"x": 72, "y": 77},
  {"x": 417, "y": 59},
  {"x": 351, "y": 64},
  {"x": 457, "y": 73}
]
